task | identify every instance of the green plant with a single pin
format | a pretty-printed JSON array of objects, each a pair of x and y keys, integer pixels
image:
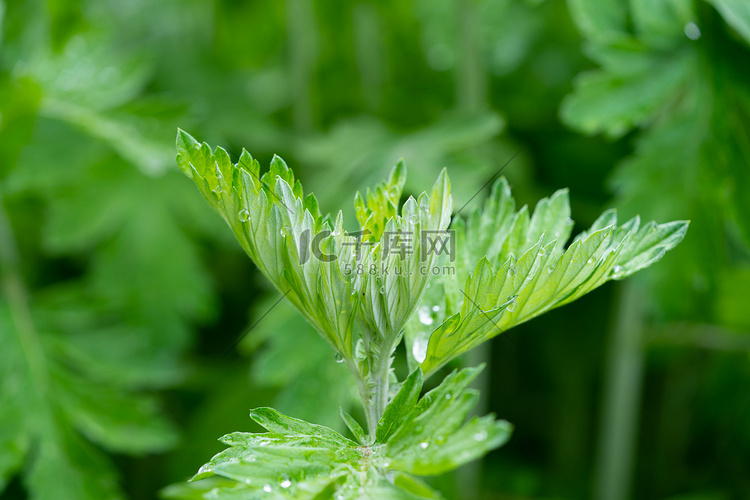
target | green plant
[{"x": 361, "y": 295}]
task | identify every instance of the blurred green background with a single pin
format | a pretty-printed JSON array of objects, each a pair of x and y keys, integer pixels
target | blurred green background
[{"x": 123, "y": 294}]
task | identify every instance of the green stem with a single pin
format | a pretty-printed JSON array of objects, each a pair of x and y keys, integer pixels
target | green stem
[
  {"x": 374, "y": 388},
  {"x": 382, "y": 384},
  {"x": 369, "y": 50},
  {"x": 622, "y": 393},
  {"x": 302, "y": 56},
  {"x": 364, "y": 396},
  {"x": 471, "y": 78}
]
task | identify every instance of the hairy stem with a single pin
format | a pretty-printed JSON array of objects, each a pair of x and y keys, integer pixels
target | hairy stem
[
  {"x": 382, "y": 373},
  {"x": 374, "y": 387}
]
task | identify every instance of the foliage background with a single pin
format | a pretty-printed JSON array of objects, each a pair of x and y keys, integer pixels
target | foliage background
[{"x": 123, "y": 295}]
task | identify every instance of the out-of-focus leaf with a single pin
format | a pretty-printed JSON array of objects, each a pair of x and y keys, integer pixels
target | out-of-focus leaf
[
  {"x": 19, "y": 99},
  {"x": 355, "y": 150},
  {"x": 613, "y": 103},
  {"x": 601, "y": 21},
  {"x": 736, "y": 13},
  {"x": 59, "y": 464}
]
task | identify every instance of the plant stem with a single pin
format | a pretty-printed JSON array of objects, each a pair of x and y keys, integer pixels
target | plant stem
[
  {"x": 622, "y": 393},
  {"x": 374, "y": 388},
  {"x": 471, "y": 78},
  {"x": 302, "y": 56},
  {"x": 382, "y": 383},
  {"x": 369, "y": 50}
]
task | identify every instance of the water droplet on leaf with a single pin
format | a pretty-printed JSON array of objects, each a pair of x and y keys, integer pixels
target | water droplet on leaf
[
  {"x": 339, "y": 358},
  {"x": 424, "y": 445},
  {"x": 425, "y": 317},
  {"x": 480, "y": 436},
  {"x": 267, "y": 488},
  {"x": 419, "y": 349},
  {"x": 244, "y": 215},
  {"x": 512, "y": 305}
]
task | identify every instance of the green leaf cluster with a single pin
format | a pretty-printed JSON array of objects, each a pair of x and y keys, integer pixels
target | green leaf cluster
[
  {"x": 295, "y": 459},
  {"x": 335, "y": 279},
  {"x": 522, "y": 269}
]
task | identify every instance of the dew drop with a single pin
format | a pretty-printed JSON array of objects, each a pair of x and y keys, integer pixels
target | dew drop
[
  {"x": 447, "y": 396},
  {"x": 424, "y": 445},
  {"x": 617, "y": 269},
  {"x": 286, "y": 483},
  {"x": 339, "y": 358},
  {"x": 480, "y": 436},
  {"x": 692, "y": 31},
  {"x": 284, "y": 231},
  {"x": 382, "y": 289},
  {"x": 425, "y": 317},
  {"x": 419, "y": 350},
  {"x": 267, "y": 488},
  {"x": 591, "y": 260},
  {"x": 244, "y": 215},
  {"x": 435, "y": 308},
  {"x": 512, "y": 305}
]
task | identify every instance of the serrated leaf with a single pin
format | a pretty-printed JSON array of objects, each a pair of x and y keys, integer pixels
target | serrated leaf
[
  {"x": 268, "y": 216},
  {"x": 355, "y": 428},
  {"x": 300, "y": 460},
  {"x": 504, "y": 290},
  {"x": 434, "y": 438},
  {"x": 400, "y": 406}
]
